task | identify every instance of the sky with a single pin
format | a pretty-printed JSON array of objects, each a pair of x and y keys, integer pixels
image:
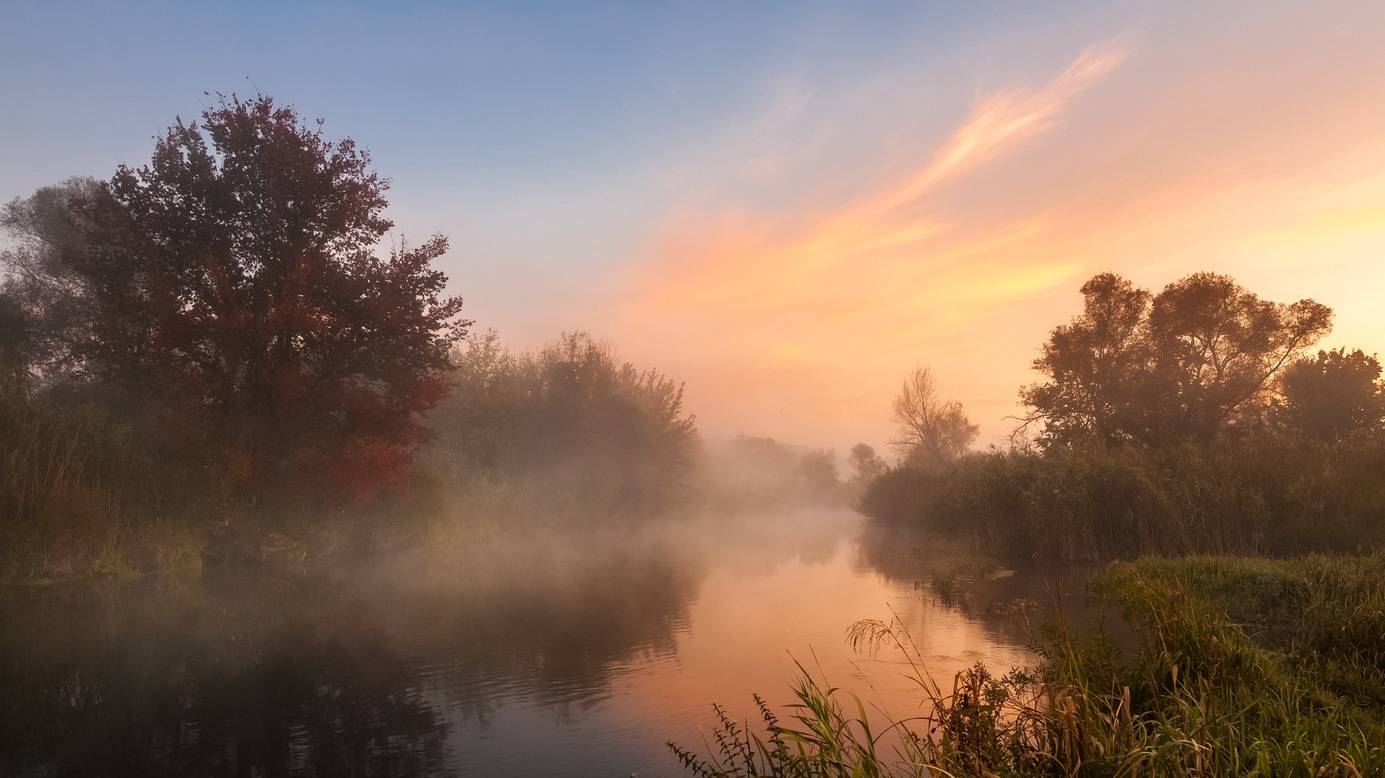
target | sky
[{"x": 788, "y": 206}]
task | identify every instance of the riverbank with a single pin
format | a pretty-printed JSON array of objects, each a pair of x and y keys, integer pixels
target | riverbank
[
  {"x": 1271, "y": 494},
  {"x": 1243, "y": 666}
]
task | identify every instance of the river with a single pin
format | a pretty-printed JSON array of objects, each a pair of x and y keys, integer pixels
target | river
[{"x": 565, "y": 654}]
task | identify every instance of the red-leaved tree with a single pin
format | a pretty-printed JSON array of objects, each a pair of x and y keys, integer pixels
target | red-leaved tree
[{"x": 232, "y": 290}]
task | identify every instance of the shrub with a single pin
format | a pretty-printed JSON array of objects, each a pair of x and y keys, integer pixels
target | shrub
[{"x": 1275, "y": 494}]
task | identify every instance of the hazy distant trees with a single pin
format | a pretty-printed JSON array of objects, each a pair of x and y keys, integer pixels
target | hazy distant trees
[
  {"x": 570, "y": 417},
  {"x": 231, "y": 288},
  {"x": 748, "y": 472},
  {"x": 818, "y": 470},
  {"x": 1333, "y": 396},
  {"x": 865, "y": 464},
  {"x": 1184, "y": 363},
  {"x": 932, "y": 431}
]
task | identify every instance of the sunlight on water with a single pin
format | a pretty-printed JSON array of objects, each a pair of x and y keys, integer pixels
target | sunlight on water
[{"x": 554, "y": 658}]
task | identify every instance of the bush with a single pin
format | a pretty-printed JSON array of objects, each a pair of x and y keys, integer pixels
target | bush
[{"x": 1274, "y": 494}]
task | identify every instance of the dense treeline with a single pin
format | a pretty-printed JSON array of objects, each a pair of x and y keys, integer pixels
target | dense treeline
[
  {"x": 597, "y": 434},
  {"x": 1271, "y": 494},
  {"x": 1192, "y": 420},
  {"x": 210, "y": 355},
  {"x": 753, "y": 473}
]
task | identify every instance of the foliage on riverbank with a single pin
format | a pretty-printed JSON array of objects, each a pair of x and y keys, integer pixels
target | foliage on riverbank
[
  {"x": 568, "y": 428},
  {"x": 1189, "y": 421},
  {"x": 1272, "y": 494},
  {"x": 209, "y": 356},
  {"x": 1220, "y": 685},
  {"x": 79, "y": 495}
]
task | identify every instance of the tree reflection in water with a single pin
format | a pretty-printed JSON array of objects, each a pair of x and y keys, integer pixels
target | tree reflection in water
[
  {"x": 403, "y": 667},
  {"x": 354, "y": 673}
]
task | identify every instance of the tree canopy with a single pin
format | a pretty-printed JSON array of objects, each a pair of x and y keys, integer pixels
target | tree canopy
[
  {"x": 866, "y": 465},
  {"x": 1334, "y": 395},
  {"x": 232, "y": 287},
  {"x": 932, "y": 431},
  {"x": 1190, "y": 361},
  {"x": 570, "y": 414}
]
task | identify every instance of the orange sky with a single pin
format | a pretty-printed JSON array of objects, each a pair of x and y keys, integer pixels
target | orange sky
[
  {"x": 790, "y": 206},
  {"x": 1143, "y": 152}
]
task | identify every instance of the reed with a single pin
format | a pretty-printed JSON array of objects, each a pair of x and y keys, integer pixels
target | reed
[
  {"x": 79, "y": 496},
  {"x": 1277, "y": 495},
  {"x": 1205, "y": 694}
]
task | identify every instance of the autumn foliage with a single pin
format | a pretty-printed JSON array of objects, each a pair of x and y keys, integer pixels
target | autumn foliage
[{"x": 231, "y": 294}]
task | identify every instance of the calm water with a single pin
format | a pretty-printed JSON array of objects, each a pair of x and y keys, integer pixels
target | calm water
[{"x": 560, "y": 657}]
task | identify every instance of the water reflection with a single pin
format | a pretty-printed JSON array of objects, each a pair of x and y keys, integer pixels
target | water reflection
[
  {"x": 170, "y": 679},
  {"x": 574, "y": 655}
]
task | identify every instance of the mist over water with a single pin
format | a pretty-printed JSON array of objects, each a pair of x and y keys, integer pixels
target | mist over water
[{"x": 557, "y": 653}]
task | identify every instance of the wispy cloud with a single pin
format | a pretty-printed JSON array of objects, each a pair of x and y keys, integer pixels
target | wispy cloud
[
  {"x": 739, "y": 265},
  {"x": 1003, "y": 119},
  {"x": 765, "y": 306}
]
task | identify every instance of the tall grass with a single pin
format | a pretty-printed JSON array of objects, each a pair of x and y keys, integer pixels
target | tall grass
[
  {"x": 1203, "y": 694},
  {"x": 1272, "y": 496},
  {"x": 79, "y": 496}
]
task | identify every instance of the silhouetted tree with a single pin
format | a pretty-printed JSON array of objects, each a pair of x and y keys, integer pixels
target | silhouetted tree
[
  {"x": 932, "y": 431},
  {"x": 1186, "y": 362},
  {"x": 232, "y": 286},
  {"x": 1098, "y": 367},
  {"x": 1335, "y": 395},
  {"x": 50, "y": 294},
  {"x": 1217, "y": 346},
  {"x": 866, "y": 466}
]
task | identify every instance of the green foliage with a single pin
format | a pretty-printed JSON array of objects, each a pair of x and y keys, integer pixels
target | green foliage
[
  {"x": 1274, "y": 494},
  {"x": 1203, "y": 695},
  {"x": 1324, "y": 615}
]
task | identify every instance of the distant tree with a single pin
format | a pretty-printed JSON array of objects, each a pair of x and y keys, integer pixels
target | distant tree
[
  {"x": 41, "y": 281},
  {"x": 571, "y": 412},
  {"x": 232, "y": 286},
  {"x": 1335, "y": 395},
  {"x": 866, "y": 466},
  {"x": 818, "y": 469},
  {"x": 932, "y": 431},
  {"x": 1187, "y": 362}
]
